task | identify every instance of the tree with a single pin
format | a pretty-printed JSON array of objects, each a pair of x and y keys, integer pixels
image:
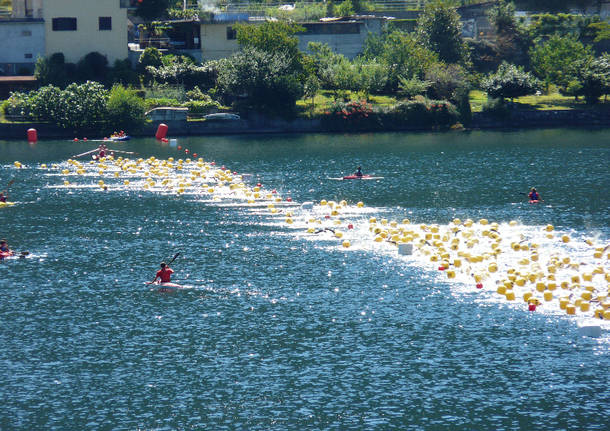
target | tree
[
  {"x": 311, "y": 88},
  {"x": 151, "y": 9},
  {"x": 403, "y": 56},
  {"x": 595, "y": 79},
  {"x": 445, "y": 81},
  {"x": 149, "y": 57},
  {"x": 512, "y": 41},
  {"x": 509, "y": 81},
  {"x": 272, "y": 37},
  {"x": 125, "y": 108},
  {"x": 54, "y": 70},
  {"x": 264, "y": 79},
  {"x": 439, "y": 29},
  {"x": 93, "y": 67},
  {"x": 556, "y": 60}
]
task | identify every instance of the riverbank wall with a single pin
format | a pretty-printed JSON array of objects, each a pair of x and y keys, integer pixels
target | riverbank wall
[{"x": 263, "y": 125}]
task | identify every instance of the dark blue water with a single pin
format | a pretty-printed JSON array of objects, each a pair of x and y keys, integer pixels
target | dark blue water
[{"x": 279, "y": 332}]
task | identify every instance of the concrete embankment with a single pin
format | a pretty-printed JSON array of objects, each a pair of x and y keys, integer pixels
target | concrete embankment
[{"x": 259, "y": 125}]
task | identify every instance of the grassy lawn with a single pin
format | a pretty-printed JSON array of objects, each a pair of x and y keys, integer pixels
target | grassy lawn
[{"x": 544, "y": 102}]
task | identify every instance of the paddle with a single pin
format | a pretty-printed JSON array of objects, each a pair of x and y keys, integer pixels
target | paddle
[
  {"x": 168, "y": 264},
  {"x": 84, "y": 154}
]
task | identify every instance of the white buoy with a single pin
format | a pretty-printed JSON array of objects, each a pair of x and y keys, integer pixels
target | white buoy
[
  {"x": 405, "y": 249},
  {"x": 173, "y": 142}
]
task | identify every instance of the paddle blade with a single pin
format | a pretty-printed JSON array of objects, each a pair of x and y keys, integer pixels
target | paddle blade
[{"x": 174, "y": 258}]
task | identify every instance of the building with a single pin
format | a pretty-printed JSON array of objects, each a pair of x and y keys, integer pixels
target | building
[
  {"x": 78, "y": 27},
  {"x": 344, "y": 35},
  {"x": 23, "y": 38}
]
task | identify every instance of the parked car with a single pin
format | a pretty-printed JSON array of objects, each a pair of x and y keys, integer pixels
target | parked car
[{"x": 222, "y": 116}]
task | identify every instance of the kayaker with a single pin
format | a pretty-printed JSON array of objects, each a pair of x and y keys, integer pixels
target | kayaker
[
  {"x": 164, "y": 274},
  {"x": 102, "y": 151},
  {"x": 4, "y": 250},
  {"x": 533, "y": 195},
  {"x": 3, "y": 196},
  {"x": 358, "y": 172}
]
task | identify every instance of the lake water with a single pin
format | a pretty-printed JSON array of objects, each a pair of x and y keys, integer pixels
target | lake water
[{"x": 284, "y": 329}]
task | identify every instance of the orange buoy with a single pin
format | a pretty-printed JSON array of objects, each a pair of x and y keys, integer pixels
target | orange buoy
[
  {"x": 161, "y": 131},
  {"x": 32, "y": 135}
]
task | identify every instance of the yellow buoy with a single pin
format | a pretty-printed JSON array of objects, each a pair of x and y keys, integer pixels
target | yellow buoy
[
  {"x": 527, "y": 296},
  {"x": 549, "y": 228},
  {"x": 548, "y": 295},
  {"x": 565, "y": 238},
  {"x": 346, "y": 244},
  {"x": 510, "y": 295},
  {"x": 584, "y": 306},
  {"x": 570, "y": 309}
]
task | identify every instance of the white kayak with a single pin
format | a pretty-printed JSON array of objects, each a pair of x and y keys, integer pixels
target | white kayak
[{"x": 166, "y": 287}]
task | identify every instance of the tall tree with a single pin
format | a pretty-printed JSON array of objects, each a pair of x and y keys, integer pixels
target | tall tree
[
  {"x": 557, "y": 60},
  {"x": 439, "y": 29}
]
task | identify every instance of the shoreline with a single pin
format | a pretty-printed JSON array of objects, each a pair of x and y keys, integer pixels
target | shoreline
[{"x": 526, "y": 119}]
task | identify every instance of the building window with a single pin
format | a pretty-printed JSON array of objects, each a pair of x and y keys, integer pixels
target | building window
[
  {"x": 26, "y": 33},
  {"x": 105, "y": 23},
  {"x": 231, "y": 33},
  {"x": 28, "y": 55},
  {"x": 64, "y": 24}
]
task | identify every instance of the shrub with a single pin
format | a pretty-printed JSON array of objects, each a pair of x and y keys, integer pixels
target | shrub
[
  {"x": 423, "y": 113},
  {"x": 93, "y": 67},
  {"x": 45, "y": 102},
  {"x": 354, "y": 115},
  {"x": 125, "y": 108},
  {"x": 202, "y": 106},
  {"x": 18, "y": 105},
  {"x": 510, "y": 82},
  {"x": 82, "y": 106}
]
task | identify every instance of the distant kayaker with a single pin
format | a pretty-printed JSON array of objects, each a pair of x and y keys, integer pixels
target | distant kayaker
[
  {"x": 102, "y": 151},
  {"x": 358, "y": 172},
  {"x": 3, "y": 196},
  {"x": 4, "y": 250},
  {"x": 533, "y": 195},
  {"x": 164, "y": 274}
]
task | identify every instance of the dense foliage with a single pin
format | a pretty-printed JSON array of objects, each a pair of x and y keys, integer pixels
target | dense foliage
[
  {"x": 439, "y": 29},
  {"x": 509, "y": 82}
]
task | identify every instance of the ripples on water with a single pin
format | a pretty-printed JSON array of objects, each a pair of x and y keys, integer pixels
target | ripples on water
[{"x": 279, "y": 332}]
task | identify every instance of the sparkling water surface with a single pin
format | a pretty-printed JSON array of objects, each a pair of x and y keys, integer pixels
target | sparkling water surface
[{"x": 284, "y": 331}]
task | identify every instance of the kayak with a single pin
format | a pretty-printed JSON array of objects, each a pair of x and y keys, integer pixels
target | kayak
[
  {"x": 4, "y": 254},
  {"x": 120, "y": 138},
  {"x": 356, "y": 177},
  {"x": 534, "y": 201},
  {"x": 6, "y": 204},
  {"x": 167, "y": 287}
]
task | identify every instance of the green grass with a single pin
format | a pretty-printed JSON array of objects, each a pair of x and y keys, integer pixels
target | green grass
[{"x": 544, "y": 102}]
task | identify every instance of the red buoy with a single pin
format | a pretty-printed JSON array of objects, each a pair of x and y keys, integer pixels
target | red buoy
[
  {"x": 213, "y": 163},
  {"x": 258, "y": 185},
  {"x": 186, "y": 151},
  {"x": 194, "y": 154},
  {"x": 273, "y": 191},
  {"x": 288, "y": 199},
  {"x": 84, "y": 139},
  {"x": 441, "y": 268},
  {"x": 164, "y": 140},
  {"x": 75, "y": 139},
  {"x": 32, "y": 135},
  {"x": 179, "y": 147},
  {"x": 326, "y": 216},
  {"x": 161, "y": 131},
  {"x": 350, "y": 226},
  {"x": 531, "y": 306},
  {"x": 479, "y": 285}
]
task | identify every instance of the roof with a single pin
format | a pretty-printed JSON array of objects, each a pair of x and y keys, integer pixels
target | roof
[{"x": 17, "y": 79}]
